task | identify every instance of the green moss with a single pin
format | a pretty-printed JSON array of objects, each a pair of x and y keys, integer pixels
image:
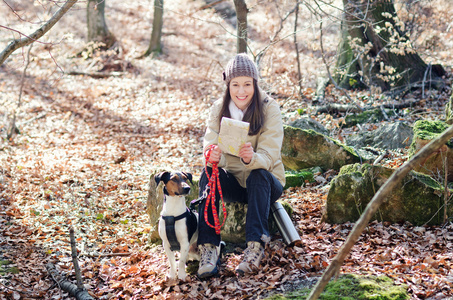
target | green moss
[
  {"x": 369, "y": 116},
  {"x": 427, "y": 130},
  {"x": 294, "y": 178},
  {"x": 347, "y": 169},
  {"x": 428, "y": 180},
  {"x": 4, "y": 270},
  {"x": 354, "y": 287}
]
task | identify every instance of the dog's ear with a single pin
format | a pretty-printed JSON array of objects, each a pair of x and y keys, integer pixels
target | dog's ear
[
  {"x": 189, "y": 176},
  {"x": 163, "y": 176}
]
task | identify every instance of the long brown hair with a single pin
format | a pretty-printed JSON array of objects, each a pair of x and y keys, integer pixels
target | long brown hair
[{"x": 254, "y": 114}]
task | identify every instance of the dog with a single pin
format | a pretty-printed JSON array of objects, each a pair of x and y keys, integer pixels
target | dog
[{"x": 178, "y": 225}]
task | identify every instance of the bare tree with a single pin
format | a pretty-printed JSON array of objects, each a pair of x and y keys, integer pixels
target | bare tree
[
  {"x": 28, "y": 39},
  {"x": 155, "y": 44},
  {"x": 374, "y": 50},
  {"x": 97, "y": 26}
]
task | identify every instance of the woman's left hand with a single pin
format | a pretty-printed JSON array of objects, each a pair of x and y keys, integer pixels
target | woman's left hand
[{"x": 246, "y": 153}]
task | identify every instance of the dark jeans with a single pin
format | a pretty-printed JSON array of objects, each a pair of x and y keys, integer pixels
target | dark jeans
[{"x": 262, "y": 190}]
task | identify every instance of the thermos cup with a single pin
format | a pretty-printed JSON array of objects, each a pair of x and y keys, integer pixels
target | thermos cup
[{"x": 284, "y": 224}]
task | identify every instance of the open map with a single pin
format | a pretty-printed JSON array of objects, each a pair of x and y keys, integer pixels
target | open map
[{"x": 232, "y": 135}]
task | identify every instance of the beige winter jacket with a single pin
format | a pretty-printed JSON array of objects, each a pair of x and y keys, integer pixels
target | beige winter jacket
[{"x": 267, "y": 143}]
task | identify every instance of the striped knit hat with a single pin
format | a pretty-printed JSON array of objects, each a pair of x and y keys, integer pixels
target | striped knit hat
[{"x": 240, "y": 65}]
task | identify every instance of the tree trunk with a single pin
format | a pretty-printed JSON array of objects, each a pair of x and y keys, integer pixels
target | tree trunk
[
  {"x": 155, "y": 45},
  {"x": 97, "y": 27},
  {"x": 241, "y": 15},
  {"x": 374, "y": 51}
]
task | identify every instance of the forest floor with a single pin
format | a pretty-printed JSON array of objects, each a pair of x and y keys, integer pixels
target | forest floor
[{"x": 87, "y": 147}]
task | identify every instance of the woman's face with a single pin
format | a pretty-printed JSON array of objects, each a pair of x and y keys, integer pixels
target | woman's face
[{"x": 241, "y": 91}]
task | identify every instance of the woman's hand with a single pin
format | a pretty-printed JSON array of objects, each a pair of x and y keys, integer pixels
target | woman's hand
[
  {"x": 246, "y": 153},
  {"x": 215, "y": 155}
]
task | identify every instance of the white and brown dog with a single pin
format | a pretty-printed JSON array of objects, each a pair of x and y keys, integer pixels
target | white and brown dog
[{"x": 178, "y": 225}]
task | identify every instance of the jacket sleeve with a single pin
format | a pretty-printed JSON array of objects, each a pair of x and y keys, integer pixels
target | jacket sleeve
[
  {"x": 211, "y": 136},
  {"x": 269, "y": 143}
]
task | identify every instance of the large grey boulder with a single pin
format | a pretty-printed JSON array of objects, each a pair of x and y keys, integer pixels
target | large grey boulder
[
  {"x": 304, "y": 149},
  {"x": 306, "y": 122},
  {"x": 418, "y": 199},
  {"x": 388, "y": 136}
]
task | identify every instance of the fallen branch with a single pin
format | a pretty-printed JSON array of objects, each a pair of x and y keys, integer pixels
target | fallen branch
[
  {"x": 22, "y": 42},
  {"x": 66, "y": 285},
  {"x": 78, "y": 291},
  {"x": 105, "y": 254},
  {"x": 209, "y": 5},
  {"x": 95, "y": 74},
  {"x": 372, "y": 207},
  {"x": 333, "y": 107}
]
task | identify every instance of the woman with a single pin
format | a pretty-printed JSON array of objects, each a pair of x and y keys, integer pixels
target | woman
[{"x": 256, "y": 177}]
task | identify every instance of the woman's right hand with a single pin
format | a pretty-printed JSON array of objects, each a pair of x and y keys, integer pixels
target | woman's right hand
[{"x": 216, "y": 153}]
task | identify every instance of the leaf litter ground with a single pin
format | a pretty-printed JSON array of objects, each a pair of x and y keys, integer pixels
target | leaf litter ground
[{"x": 87, "y": 147}]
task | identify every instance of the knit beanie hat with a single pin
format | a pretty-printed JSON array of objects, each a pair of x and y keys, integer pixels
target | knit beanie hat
[{"x": 240, "y": 65}]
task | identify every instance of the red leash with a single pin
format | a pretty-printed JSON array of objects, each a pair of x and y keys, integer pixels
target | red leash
[{"x": 213, "y": 182}]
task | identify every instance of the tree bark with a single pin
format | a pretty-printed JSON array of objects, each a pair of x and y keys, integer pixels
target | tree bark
[
  {"x": 373, "y": 206},
  {"x": 155, "y": 45},
  {"x": 375, "y": 51},
  {"x": 27, "y": 40},
  {"x": 241, "y": 15},
  {"x": 97, "y": 27}
]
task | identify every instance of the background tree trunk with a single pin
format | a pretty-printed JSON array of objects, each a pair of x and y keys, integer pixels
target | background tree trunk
[
  {"x": 155, "y": 45},
  {"x": 241, "y": 14},
  {"x": 97, "y": 27},
  {"x": 375, "y": 51}
]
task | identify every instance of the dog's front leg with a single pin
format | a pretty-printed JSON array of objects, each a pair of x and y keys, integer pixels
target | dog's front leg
[
  {"x": 182, "y": 261},
  {"x": 171, "y": 259}
]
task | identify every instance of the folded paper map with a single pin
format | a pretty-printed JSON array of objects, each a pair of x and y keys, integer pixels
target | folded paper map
[{"x": 232, "y": 135}]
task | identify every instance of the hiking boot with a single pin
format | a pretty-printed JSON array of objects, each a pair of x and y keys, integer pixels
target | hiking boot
[
  {"x": 209, "y": 261},
  {"x": 252, "y": 258}
]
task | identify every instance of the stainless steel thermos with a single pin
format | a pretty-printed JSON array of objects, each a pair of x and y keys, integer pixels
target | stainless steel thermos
[{"x": 284, "y": 224}]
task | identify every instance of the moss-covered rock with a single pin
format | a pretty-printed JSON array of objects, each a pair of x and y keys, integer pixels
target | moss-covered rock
[
  {"x": 369, "y": 116},
  {"x": 424, "y": 132},
  {"x": 294, "y": 178},
  {"x": 354, "y": 287},
  {"x": 388, "y": 136},
  {"x": 417, "y": 199},
  {"x": 234, "y": 229},
  {"x": 304, "y": 149},
  {"x": 306, "y": 122}
]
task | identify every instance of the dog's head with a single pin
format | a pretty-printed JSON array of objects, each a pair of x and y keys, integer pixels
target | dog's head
[{"x": 175, "y": 182}]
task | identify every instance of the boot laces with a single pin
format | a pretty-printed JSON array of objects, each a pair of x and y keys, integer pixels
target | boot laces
[
  {"x": 252, "y": 253},
  {"x": 207, "y": 255}
]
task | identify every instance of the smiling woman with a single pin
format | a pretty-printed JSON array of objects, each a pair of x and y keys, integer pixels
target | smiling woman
[{"x": 255, "y": 175}]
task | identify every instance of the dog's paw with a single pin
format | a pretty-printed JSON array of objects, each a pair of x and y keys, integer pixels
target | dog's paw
[
  {"x": 182, "y": 276},
  {"x": 171, "y": 276}
]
